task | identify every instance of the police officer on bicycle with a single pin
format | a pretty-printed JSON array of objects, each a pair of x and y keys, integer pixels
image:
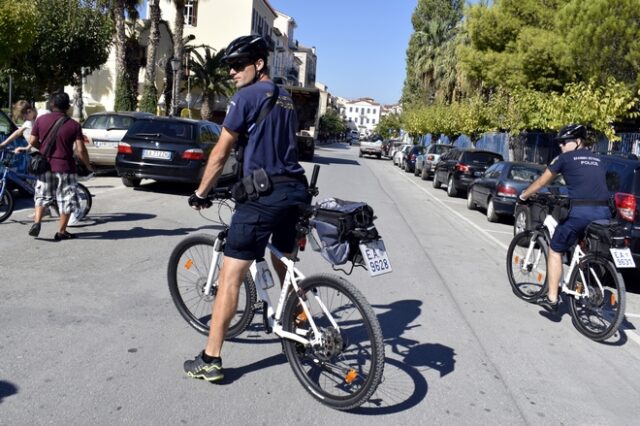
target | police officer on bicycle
[
  {"x": 585, "y": 176},
  {"x": 261, "y": 123}
]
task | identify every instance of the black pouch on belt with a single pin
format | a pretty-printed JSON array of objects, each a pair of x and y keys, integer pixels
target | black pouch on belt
[
  {"x": 261, "y": 181},
  {"x": 247, "y": 182},
  {"x": 238, "y": 192}
]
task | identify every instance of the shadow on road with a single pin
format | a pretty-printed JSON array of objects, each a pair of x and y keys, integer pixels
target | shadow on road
[
  {"x": 233, "y": 374},
  {"x": 7, "y": 389},
  {"x": 404, "y": 385}
]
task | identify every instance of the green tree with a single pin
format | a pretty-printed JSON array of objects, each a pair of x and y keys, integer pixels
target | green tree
[
  {"x": 332, "y": 123},
  {"x": 431, "y": 54},
  {"x": 390, "y": 125},
  {"x": 149, "y": 101},
  {"x": 210, "y": 75},
  {"x": 603, "y": 39},
  {"x": 18, "y": 20},
  {"x": 72, "y": 37}
]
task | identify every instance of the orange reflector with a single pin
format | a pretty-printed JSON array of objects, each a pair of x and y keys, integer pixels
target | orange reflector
[
  {"x": 613, "y": 299},
  {"x": 351, "y": 376},
  {"x": 516, "y": 259},
  {"x": 540, "y": 277},
  {"x": 189, "y": 264}
]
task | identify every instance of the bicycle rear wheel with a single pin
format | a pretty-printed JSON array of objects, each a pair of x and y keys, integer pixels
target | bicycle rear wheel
[
  {"x": 85, "y": 199},
  {"x": 598, "y": 314},
  {"x": 347, "y": 368},
  {"x": 6, "y": 205},
  {"x": 527, "y": 275},
  {"x": 188, "y": 270}
]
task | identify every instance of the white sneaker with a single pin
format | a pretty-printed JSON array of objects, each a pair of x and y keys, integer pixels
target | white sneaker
[{"x": 73, "y": 220}]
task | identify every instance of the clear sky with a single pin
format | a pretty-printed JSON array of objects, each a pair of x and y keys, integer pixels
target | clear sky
[{"x": 361, "y": 44}]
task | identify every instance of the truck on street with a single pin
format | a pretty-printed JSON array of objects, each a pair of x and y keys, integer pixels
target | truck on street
[{"x": 307, "y": 103}]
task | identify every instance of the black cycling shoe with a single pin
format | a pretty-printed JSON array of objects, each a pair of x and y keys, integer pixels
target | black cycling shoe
[
  {"x": 199, "y": 369},
  {"x": 34, "y": 231},
  {"x": 548, "y": 305}
]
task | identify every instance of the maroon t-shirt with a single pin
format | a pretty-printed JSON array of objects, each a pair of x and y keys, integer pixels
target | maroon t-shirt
[{"x": 61, "y": 157}]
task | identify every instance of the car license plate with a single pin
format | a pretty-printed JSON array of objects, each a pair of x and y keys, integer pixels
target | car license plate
[
  {"x": 159, "y": 155},
  {"x": 622, "y": 258},
  {"x": 375, "y": 256},
  {"x": 477, "y": 173},
  {"x": 105, "y": 144}
]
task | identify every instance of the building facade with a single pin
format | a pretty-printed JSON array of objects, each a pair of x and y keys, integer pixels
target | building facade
[{"x": 364, "y": 113}]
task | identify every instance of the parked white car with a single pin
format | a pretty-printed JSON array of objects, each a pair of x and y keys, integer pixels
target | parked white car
[{"x": 398, "y": 157}]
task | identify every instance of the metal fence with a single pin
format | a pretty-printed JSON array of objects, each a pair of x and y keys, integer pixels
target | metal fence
[{"x": 534, "y": 147}]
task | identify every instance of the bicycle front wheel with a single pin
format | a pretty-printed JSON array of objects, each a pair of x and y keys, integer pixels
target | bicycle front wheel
[
  {"x": 346, "y": 368},
  {"x": 85, "y": 200},
  {"x": 598, "y": 308},
  {"x": 527, "y": 265},
  {"x": 6, "y": 205},
  {"x": 189, "y": 266}
]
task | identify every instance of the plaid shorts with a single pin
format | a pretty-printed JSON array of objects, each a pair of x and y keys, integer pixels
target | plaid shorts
[{"x": 63, "y": 186}]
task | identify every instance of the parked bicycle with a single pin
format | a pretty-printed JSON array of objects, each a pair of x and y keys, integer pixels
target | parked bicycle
[
  {"x": 592, "y": 284},
  {"x": 330, "y": 333},
  {"x": 12, "y": 179}
]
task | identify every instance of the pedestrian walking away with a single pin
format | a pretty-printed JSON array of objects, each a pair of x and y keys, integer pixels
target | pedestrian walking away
[
  {"x": 261, "y": 125},
  {"x": 61, "y": 179}
]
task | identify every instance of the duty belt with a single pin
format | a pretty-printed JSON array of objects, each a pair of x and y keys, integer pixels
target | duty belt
[{"x": 289, "y": 179}]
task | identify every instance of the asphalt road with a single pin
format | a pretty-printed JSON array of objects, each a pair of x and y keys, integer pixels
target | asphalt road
[{"x": 89, "y": 334}]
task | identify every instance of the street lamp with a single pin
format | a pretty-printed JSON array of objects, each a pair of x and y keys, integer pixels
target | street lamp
[{"x": 175, "y": 66}]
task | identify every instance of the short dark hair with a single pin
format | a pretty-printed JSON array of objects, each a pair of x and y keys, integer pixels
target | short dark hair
[{"x": 59, "y": 101}]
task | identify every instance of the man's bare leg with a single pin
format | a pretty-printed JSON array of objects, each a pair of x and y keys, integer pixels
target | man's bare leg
[{"x": 225, "y": 304}]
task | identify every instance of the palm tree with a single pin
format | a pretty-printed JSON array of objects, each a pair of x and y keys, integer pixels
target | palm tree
[
  {"x": 150, "y": 91},
  {"x": 178, "y": 46},
  {"x": 210, "y": 75}
]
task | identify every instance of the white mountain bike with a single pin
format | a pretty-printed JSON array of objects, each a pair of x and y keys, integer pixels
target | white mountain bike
[
  {"x": 331, "y": 335},
  {"x": 592, "y": 284}
]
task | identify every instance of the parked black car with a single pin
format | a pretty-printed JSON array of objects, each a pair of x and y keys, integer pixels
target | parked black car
[
  {"x": 168, "y": 149},
  {"x": 409, "y": 163},
  {"x": 499, "y": 187},
  {"x": 460, "y": 167}
]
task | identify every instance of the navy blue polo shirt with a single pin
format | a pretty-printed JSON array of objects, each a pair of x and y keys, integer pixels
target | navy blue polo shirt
[
  {"x": 272, "y": 143},
  {"x": 584, "y": 173}
]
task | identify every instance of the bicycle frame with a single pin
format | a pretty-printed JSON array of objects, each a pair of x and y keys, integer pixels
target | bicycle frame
[
  {"x": 550, "y": 225},
  {"x": 292, "y": 277}
]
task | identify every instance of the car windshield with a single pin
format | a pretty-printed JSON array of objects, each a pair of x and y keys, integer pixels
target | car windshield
[
  {"x": 439, "y": 149},
  {"x": 524, "y": 173},
  {"x": 174, "y": 130},
  {"x": 480, "y": 157},
  {"x": 109, "y": 122}
]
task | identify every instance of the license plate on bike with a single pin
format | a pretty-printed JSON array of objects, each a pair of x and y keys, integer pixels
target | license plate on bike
[
  {"x": 622, "y": 258},
  {"x": 375, "y": 256}
]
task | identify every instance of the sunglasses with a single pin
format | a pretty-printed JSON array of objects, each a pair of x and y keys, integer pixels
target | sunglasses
[
  {"x": 563, "y": 143},
  {"x": 238, "y": 66}
]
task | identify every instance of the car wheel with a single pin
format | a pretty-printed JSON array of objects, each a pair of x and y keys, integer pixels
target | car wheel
[
  {"x": 379, "y": 156},
  {"x": 416, "y": 171},
  {"x": 492, "y": 216},
  {"x": 360, "y": 154},
  {"x": 451, "y": 190},
  {"x": 423, "y": 174},
  {"x": 471, "y": 205},
  {"x": 520, "y": 223},
  {"x": 130, "y": 182},
  {"x": 435, "y": 182}
]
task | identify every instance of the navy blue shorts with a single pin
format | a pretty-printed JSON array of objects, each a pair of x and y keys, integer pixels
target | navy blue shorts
[
  {"x": 254, "y": 222},
  {"x": 568, "y": 232}
]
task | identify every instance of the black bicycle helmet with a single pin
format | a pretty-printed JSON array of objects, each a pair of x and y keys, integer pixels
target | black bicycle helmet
[
  {"x": 246, "y": 48},
  {"x": 572, "y": 131}
]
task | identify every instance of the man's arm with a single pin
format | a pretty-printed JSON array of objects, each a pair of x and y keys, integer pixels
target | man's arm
[
  {"x": 83, "y": 155},
  {"x": 216, "y": 161},
  {"x": 542, "y": 181}
]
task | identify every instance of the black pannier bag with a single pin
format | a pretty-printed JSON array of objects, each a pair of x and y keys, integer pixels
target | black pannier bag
[
  {"x": 340, "y": 226},
  {"x": 601, "y": 235}
]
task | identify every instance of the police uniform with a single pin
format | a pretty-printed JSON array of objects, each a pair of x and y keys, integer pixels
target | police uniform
[
  {"x": 270, "y": 145},
  {"x": 585, "y": 175}
]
